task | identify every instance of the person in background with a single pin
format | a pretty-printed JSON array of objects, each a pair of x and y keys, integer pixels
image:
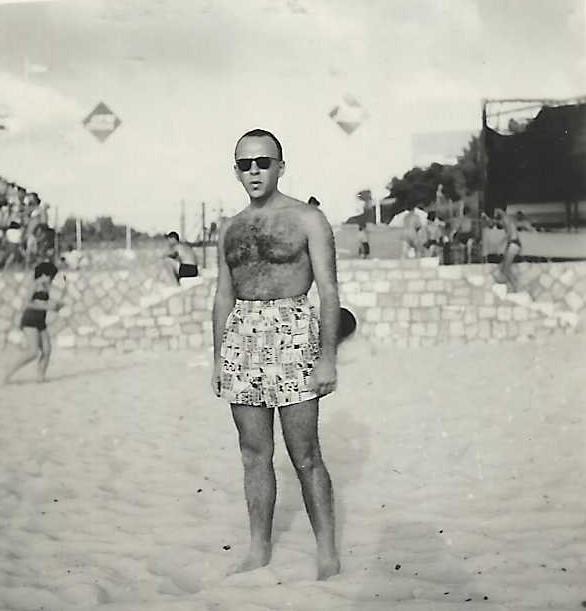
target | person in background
[
  {"x": 363, "y": 241},
  {"x": 504, "y": 272},
  {"x": 34, "y": 323},
  {"x": 413, "y": 235},
  {"x": 179, "y": 261},
  {"x": 434, "y": 234}
]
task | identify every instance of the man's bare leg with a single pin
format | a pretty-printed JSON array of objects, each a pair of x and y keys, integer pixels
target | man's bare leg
[
  {"x": 507, "y": 266},
  {"x": 171, "y": 268},
  {"x": 299, "y": 424},
  {"x": 255, "y": 430}
]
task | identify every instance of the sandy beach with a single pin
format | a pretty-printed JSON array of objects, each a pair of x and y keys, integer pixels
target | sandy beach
[{"x": 458, "y": 473}]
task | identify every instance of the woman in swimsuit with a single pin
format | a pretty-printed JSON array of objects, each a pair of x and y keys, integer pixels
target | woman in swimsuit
[{"x": 34, "y": 324}]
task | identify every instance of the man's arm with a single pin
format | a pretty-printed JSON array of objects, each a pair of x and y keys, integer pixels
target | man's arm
[
  {"x": 322, "y": 254},
  {"x": 224, "y": 299}
]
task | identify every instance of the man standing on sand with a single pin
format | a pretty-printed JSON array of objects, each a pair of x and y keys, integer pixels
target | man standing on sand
[{"x": 270, "y": 349}]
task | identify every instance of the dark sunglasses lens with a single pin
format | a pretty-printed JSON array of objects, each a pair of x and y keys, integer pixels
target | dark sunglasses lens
[
  {"x": 263, "y": 163},
  {"x": 244, "y": 164}
]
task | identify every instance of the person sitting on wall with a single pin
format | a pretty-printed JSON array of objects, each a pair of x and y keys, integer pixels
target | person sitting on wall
[
  {"x": 504, "y": 272},
  {"x": 463, "y": 231},
  {"x": 179, "y": 260},
  {"x": 523, "y": 223},
  {"x": 434, "y": 234},
  {"x": 413, "y": 235}
]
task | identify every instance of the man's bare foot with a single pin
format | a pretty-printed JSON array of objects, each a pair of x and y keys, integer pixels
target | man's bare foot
[
  {"x": 327, "y": 567},
  {"x": 255, "y": 559}
]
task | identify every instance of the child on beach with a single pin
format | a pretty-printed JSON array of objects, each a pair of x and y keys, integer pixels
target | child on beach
[{"x": 33, "y": 322}]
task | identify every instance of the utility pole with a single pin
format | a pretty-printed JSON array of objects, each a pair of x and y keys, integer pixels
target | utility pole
[
  {"x": 182, "y": 220},
  {"x": 203, "y": 231}
]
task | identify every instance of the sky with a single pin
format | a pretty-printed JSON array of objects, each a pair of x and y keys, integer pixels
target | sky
[{"x": 188, "y": 77}]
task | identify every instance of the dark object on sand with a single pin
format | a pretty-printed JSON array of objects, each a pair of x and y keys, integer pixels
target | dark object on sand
[{"x": 347, "y": 324}]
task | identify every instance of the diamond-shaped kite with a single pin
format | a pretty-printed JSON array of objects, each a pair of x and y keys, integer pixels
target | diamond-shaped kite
[
  {"x": 101, "y": 122},
  {"x": 349, "y": 114}
]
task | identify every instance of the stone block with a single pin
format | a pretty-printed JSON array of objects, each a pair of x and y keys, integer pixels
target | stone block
[
  {"x": 66, "y": 341},
  {"x": 456, "y": 328},
  {"x": 362, "y": 275},
  {"x": 550, "y": 322},
  {"x": 520, "y": 314},
  {"x": 366, "y": 300},
  {"x": 410, "y": 300},
  {"x": 431, "y": 329},
  {"x": 114, "y": 333},
  {"x": 417, "y": 329},
  {"x": 195, "y": 341},
  {"x": 190, "y": 328},
  {"x": 416, "y": 286},
  {"x": 373, "y": 315},
  {"x": 129, "y": 345},
  {"x": 388, "y": 314},
  {"x": 558, "y": 291},
  {"x": 545, "y": 280},
  {"x": 568, "y": 277},
  {"x": 452, "y": 312},
  {"x": 544, "y": 307},
  {"x": 176, "y": 306},
  {"x": 165, "y": 321},
  {"x": 152, "y": 333},
  {"x": 504, "y": 313},
  {"x": 411, "y": 274},
  {"x": 499, "y": 329},
  {"x": 470, "y": 316},
  {"x": 574, "y": 301},
  {"x": 441, "y": 299},
  {"x": 351, "y": 287},
  {"x": 427, "y": 299},
  {"x": 99, "y": 342},
  {"x": 403, "y": 315},
  {"x": 449, "y": 272},
  {"x": 381, "y": 286},
  {"x": 471, "y": 331},
  {"x": 378, "y": 274},
  {"x": 484, "y": 329},
  {"x": 427, "y": 262},
  {"x": 382, "y": 330},
  {"x": 512, "y": 329},
  {"x": 435, "y": 286},
  {"x": 145, "y": 322}
]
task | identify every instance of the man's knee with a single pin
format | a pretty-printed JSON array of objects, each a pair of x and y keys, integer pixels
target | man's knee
[
  {"x": 255, "y": 455},
  {"x": 306, "y": 459}
]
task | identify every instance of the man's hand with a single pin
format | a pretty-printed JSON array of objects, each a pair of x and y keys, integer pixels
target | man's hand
[
  {"x": 323, "y": 379},
  {"x": 216, "y": 383}
]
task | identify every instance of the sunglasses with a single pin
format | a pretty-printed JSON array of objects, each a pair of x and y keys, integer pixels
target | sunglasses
[{"x": 262, "y": 163}]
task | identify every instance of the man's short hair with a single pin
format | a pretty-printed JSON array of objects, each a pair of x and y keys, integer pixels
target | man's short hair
[
  {"x": 172, "y": 234},
  {"x": 46, "y": 268},
  {"x": 261, "y": 133}
]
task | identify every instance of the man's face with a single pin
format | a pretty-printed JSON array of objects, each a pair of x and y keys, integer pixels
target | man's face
[{"x": 259, "y": 183}]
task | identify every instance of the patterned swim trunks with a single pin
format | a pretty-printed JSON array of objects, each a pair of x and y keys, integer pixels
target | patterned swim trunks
[{"x": 268, "y": 351}]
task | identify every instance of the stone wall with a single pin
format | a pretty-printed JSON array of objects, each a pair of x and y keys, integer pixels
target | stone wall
[{"x": 409, "y": 303}]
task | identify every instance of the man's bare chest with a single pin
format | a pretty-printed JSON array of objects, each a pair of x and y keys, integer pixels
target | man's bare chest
[{"x": 253, "y": 239}]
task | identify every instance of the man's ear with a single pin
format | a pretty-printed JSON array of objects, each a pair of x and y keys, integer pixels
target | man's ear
[
  {"x": 237, "y": 173},
  {"x": 281, "y": 168}
]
